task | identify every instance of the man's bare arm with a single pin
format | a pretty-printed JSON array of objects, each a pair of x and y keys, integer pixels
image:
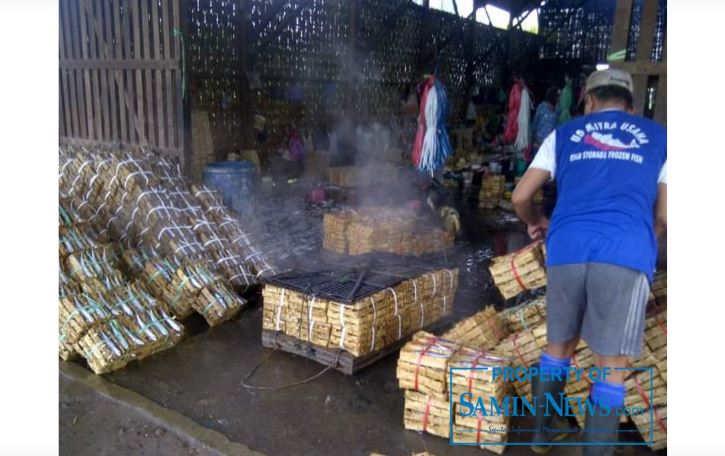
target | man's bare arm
[
  {"x": 523, "y": 200},
  {"x": 661, "y": 209}
]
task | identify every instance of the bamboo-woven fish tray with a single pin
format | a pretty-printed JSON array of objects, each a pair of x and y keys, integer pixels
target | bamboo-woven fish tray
[
  {"x": 423, "y": 364},
  {"x": 483, "y": 331},
  {"x": 519, "y": 271},
  {"x": 382, "y": 229},
  {"x": 427, "y": 413},
  {"x": 525, "y": 315}
]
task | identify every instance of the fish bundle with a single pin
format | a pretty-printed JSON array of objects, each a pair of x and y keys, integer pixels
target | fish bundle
[
  {"x": 367, "y": 324},
  {"x": 109, "y": 347},
  {"x": 483, "y": 330},
  {"x": 433, "y": 371},
  {"x": 217, "y": 303},
  {"x": 380, "y": 229},
  {"x": 492, "y": 189},
  {"x": 519, "y": 271},
  {"x": 525, "y": 315}
]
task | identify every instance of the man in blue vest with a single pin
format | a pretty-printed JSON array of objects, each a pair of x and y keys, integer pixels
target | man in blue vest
[{"x": 610, "y": 168}]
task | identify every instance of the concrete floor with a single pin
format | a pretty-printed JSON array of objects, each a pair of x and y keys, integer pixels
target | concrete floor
[
  {"x": 201, "y": 379},
  {"x": 91, "y": 423}
]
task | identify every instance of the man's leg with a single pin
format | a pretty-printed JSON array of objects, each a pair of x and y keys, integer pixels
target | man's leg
[
  {"x": 613, "y": 327},
  {"x": 563, "y": 349},
  {"x": 566, "y": 304},
  {"x": 607, "y": 394}
]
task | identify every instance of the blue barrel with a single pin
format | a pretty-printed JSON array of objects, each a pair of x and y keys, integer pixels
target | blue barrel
[{"x": 236, "y": 181}]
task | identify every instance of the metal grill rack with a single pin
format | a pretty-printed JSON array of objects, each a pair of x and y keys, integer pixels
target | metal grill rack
[{"x": 348, "y": 279}]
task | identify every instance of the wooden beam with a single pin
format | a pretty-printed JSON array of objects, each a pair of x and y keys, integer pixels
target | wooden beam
[
  {"x": 644, "y": 49},
  {"x": 647, "y": 30},
  {"x": 660, "y": 114},
  {"x": 620, "y": 28},
  {"x": 118, "y": 64},
  {"x": 640, "y": 68}
]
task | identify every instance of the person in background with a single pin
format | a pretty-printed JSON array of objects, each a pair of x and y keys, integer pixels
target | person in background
[
  {"x": 610, "y": 168},
  {"x": 546, "y": 116}
]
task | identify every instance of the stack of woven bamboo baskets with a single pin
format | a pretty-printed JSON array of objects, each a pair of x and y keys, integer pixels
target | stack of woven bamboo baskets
[
  {"x": 103, "y": 316},
  {"x": 138, "y": 199},
  {"x": 519, "y": 271},
  {"x": 492, "y": 189},
  {"x": 381, "y": 230},
  {"x": 368, "y": 324},
  {"x": 433, "y": 370},
  {"x": 482, "y": 331},
  {"x": 130, "y": 222},
  {"x": 334, "y": 226}
]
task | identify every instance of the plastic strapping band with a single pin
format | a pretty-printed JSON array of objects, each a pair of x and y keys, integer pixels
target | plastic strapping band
[
  {"x": 125, "y": 182},
  {"x": 311, "y": 322},
  {"x": 344, "y": 328},
  {"x": 522, "y": 319},
  {"x": 375, "y": 319},
  {"x": 425, "y": 414},
  {"x": 471, "y": 370},
  {"x": 429, "y": 345},
  {"x": 432, "y": 274},
  {"x": 279, "y": 310},
  {"x": 397, "y": 314},
  {"x": 479, "y": 419},
  {"x": 658, "y": 418},
  {"x": 516, "y": 271}
]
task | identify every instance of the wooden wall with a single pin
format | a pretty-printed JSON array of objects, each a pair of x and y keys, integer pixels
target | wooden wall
[{"x": 121, "y": 74}]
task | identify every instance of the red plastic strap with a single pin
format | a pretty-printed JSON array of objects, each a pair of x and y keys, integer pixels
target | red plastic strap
[
  {"x": 478, "y": 426},
  {"x": 431, "y": 342},
  {"x": 513, "y": 263},
  {"x": 425, "y": 414},
  {"x": 658, "y": 418},
  {"x": 471, "y": 370},
  {"x": 518, "y": 353},
  {"x": 516, "y": 271}
]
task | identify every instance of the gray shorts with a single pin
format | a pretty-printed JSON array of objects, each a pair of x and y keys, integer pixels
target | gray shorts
[{"x": 603, "y": 303}]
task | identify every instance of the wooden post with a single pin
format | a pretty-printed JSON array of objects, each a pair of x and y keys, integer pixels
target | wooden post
[
  {"x": 620, "y": 28},
  {"x": 186, "y": 104},
  {"x": 644, "y": 48}
]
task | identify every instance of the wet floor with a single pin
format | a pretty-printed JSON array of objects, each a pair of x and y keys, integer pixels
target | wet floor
[{"x": 333, "y": 414}]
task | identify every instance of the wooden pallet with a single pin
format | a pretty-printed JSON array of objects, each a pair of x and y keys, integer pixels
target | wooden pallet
[{"x": 339, "y": 359}]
